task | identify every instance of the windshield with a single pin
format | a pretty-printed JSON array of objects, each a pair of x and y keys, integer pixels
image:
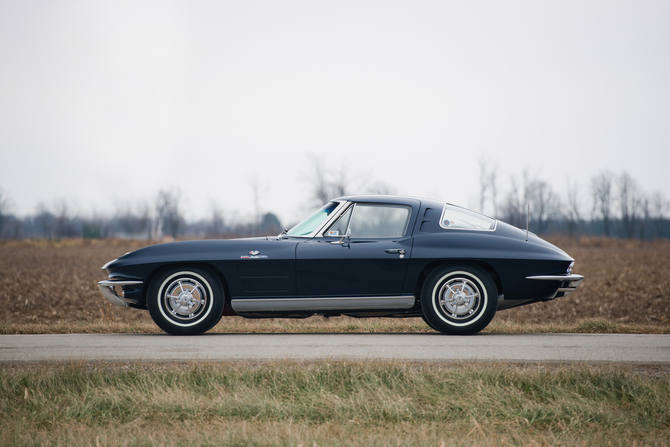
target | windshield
[{"x": 313, "y": 222}]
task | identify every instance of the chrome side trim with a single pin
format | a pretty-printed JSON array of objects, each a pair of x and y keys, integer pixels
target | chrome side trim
[
  {"x": 569, "y": 283},
  {"x": 107, "y": 288},
  {"x": 315, "y": 304},
  {"x": 571, "y": 277}
]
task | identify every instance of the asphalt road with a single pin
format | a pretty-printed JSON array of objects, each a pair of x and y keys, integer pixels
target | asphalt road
[{"x": 432, "y": 347}]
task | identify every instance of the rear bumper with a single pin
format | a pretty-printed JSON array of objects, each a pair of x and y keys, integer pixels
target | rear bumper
[
  {"x": 108, "y": 290},
  {"x": 566, "y": 283}
]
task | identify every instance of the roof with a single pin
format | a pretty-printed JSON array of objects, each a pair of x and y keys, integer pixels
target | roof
[{"x": 400, "y": 200}]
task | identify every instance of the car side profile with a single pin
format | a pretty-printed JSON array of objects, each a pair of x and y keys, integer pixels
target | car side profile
[{"x": 362, "y": 256}]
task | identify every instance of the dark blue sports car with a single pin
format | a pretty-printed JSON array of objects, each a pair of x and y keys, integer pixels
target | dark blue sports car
[{"x": 362, "y": 256}]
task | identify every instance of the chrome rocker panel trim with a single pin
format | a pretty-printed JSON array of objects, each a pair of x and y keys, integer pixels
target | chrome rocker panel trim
[
  {"x": 316, "y": 304},
  {"x": 107, "y": 289},
  {"x": 569, "y": 283}
]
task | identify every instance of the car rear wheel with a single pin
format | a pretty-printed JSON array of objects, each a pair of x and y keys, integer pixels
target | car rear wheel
[
  {"x": 459, "y": 300},
  {"x": 185, "y": 301}
]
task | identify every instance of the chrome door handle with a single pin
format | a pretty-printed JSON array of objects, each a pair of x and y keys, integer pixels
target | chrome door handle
[{"x": 399, "y": 251}]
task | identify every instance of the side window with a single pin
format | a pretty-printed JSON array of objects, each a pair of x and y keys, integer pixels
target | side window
[{"x": 370, "y": 220}]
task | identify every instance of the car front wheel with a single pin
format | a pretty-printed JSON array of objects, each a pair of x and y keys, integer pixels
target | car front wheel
[
  {"x": 185, "y": 301},
  {"x": 459, "y": 299}
]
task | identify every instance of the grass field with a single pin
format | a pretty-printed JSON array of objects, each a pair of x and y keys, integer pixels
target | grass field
[
  {"x": 333, "y": 403},
  {"x": 51, "y": 285}
]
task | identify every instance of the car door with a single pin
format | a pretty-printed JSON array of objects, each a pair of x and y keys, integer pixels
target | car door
[{"x": 364, "y": 253}]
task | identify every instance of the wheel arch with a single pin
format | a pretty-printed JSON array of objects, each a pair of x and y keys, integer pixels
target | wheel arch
[
  {"x": 186, "y": 265},
  {"x": 428, "y": 269}
]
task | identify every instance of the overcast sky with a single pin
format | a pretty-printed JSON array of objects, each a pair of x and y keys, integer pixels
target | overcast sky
[{"x": 104, "y": 103}]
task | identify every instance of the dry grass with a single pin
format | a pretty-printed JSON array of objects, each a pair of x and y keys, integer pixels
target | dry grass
[
  {"x": 332, "y": 403},
  {"x": 55, "y": 282},
  {"x": 50, "y": 286},
  {"x": 626, "y": 281},
  {"x": 338, "y": 325}
]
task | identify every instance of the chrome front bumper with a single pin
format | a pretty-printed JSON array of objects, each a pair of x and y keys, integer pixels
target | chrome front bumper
[
  {"x": 568, "y": 283},
  {"x": 108, "y": 290}
]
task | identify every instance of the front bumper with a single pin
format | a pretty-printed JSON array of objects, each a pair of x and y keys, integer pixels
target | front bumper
[
  {"x": 567, "y": 283},
  {"x": 108, "y": 290}
]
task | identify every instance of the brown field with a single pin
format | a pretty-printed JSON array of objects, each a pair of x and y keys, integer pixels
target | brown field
[{"x": 52, "y": 284}]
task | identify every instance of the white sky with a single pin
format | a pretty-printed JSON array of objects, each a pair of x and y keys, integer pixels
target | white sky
[{"x": 107, "y": 102}]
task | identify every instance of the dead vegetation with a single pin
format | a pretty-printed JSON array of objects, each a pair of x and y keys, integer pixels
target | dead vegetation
[
  {"x": 45, "y": 285},
  {"x": 52, "y": 282},
  {"x": 333, "y": 403},
  {"x": 626, "y": 281}
]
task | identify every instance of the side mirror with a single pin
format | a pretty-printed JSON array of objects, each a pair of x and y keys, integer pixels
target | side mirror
[{"x": 342, "y": 241}]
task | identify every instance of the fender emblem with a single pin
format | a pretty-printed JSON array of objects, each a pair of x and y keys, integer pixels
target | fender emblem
[{"x": 253, "y": 254}]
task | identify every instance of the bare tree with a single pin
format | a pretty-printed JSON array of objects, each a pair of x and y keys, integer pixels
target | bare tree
[
  {"x": 64, "y": 221},
  {"x": 601, "y": 188},
  {"x": 168, "y": 214},
  {"x": 144, "y": 219},
  {"x": 513, "y": 209},
  {"x": 659, "y": 207},
  {"x": 95, "y": 227},
  {"x": 124, "y": 220},
  {"x": 258, "y": 190},
  {"x": 5, "y": 208},
  {"x": 544, "y": 204},
  {"x": 45, "y": 221},
  {"x": 320, "y": 184},
  {"x": 379, "y": 187},
  {"x": 628, "y": 203},
  {"x": 328, "y": 183},
  {"x": 487, "y": 185},
  {"x": 573, "y": 214},
  {"x": 216, "y": 224},
  {"x": 13, "y": 227},
  {"x": 133, "y": 224},
  {"x": 644, "y": 221},
  {"x": 494, "y": 193}
]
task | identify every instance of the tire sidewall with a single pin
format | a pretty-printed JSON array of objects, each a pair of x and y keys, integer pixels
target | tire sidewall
[
  {"x": 436, "y": 316},
  {"x": 214, "y": 306}
]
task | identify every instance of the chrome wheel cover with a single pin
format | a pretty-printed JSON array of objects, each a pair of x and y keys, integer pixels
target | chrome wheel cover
[
  {"x": 459, "y": 298},
  {"x": 185, "y": 299}
]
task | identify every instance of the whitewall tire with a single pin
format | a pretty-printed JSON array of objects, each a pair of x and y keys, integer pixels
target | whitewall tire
[
  {"x": 185, "y": 301},
  {"x": 459, "y": 299}
]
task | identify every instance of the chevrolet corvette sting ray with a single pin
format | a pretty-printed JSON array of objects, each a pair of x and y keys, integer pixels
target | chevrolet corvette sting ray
[{"x": 362, "y": 256}]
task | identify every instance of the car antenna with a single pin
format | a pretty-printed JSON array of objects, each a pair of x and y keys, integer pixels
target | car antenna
[{"x": 527, "y": 219}]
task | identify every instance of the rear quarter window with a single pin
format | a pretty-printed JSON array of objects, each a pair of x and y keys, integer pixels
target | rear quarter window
[{"x": 455, "y": 218}]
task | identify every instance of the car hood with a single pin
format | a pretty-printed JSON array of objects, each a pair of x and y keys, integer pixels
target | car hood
[{"x": 207, "y": 250}]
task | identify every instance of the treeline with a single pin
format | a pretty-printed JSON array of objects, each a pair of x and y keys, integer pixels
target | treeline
[
  {"x": 610, "y": 205},
  {"x": 161, "y": 219}
]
